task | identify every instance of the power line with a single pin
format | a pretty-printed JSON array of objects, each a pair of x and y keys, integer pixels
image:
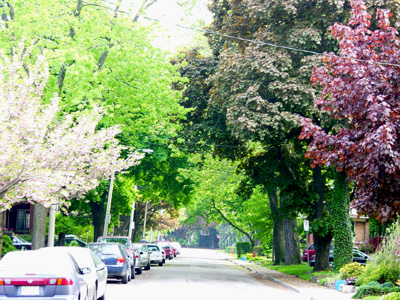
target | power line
[{"x": 250, "y": 40}]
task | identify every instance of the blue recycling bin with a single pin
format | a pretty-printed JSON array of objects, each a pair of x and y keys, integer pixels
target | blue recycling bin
[{"x": 338, "y": 283}]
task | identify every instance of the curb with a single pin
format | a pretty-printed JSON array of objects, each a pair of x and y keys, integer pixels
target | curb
[{"x": 266, "y": 276}]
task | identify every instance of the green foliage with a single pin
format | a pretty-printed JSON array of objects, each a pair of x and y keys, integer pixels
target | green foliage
[
  {"x": 392, "y": 296},
  {"x": 375, "y": 288},
  {"x": 339, "y": 209},
  {"x": 385, "y": 264},
  {"x": 351, "y": 270},
  {"x": 229, "y": 249},
  {"x": 258, "y": 250},
  {"x": 7, "y": 245},
  {"x": 243, "y": 248}
]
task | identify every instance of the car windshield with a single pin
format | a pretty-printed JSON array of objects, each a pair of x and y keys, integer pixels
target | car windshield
[
  {"x": 105, "y": 249},
  {"x": 123, "y": 241},
  {"x": 153, "y": 248}
]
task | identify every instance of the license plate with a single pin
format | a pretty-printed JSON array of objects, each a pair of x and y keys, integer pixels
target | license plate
[{"x": 30, "y": 290}]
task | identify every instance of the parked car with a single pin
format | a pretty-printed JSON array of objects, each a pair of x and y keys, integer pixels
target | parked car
[
  {"x": 20, "y": 243},
  {"x": 143, "y": 255},
  {"x": 169, "y": 252},
  {"x": 39, "y": 274},
  {"x": 71, "y": 240},
  {"x": 115, "y": 258},
  {"x": 311, "y": 251},
  {"x": 358, "y": 256},
  {"x": 96, "y": 276},
  {"x": 124, "y": 241},
  {"x": 156, "y": 254},
  {"x": 177, "y": 246}
]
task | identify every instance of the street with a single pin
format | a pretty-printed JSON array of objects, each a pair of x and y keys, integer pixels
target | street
[{"x": 195, "y": 274}]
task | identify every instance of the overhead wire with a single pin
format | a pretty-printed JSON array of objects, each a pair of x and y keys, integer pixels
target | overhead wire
[{"x": 262, "y": 43}]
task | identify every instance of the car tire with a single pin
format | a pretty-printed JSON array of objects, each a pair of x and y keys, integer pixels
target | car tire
[
  {"x": 124, "y": 279},
  {"x": 130, "y": 275},
  {"x": 160, "y": 264},
  {"x": 139, "y": 271},
  {"x": 163, "y": 261},
  {"x": 133, "y": 273},
  {"x": 147, "y": 267}
]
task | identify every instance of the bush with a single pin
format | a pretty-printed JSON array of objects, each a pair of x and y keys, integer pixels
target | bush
[
  {"x": 392, "y": 296},
  {"x": 243, "y": 248},
  {"x": 229, "y": 249},
  {"x": 375, "y": 288},
  {"x": 351, "y": 270},
  {"x": 7, "y": 245}
]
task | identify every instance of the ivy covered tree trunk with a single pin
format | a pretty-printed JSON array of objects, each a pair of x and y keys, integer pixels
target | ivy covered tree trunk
[
  {"x": 339, "y": 208},
  {"x": 2, "y": 218},
  {"x": 321, "y": 229}
]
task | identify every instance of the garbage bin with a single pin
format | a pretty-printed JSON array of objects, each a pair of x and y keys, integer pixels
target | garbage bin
[
  {"x": 243, "y": 258},
  {"x": 338, "y": 283}
]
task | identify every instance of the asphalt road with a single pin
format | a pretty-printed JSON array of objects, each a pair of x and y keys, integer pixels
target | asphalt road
[{"x": 197, "y": 274}]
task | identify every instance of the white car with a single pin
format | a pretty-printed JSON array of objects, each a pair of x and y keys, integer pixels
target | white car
[
  {"x": 156, "y": 254},
  {"x": 96, "y": 275}
]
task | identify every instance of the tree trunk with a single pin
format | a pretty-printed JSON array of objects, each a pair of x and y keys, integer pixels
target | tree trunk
[
  {"x": 61, "y": 239},
  {"x": 339, "y": 208},
  {"x": 292, "y": 249},
  {"x": 39, "y": 226},
  {"x": 323, "y": 236},
  {"x": 2, "y": 219},
  {"x": 98, "y": 214},
  {"x": 278, "y": 241}
]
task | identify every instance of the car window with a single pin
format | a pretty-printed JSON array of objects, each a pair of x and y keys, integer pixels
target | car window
[
  {"x": 153, "y": 248},
  {"x": 122, "y": 241},
  {"x": 105, "y": 249},
  {"x": 97, "y": 261}
]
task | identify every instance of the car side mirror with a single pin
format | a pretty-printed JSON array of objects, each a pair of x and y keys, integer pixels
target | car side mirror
[{"x": 141, "y": 252}]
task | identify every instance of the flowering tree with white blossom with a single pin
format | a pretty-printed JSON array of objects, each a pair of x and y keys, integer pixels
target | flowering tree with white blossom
[{"x": 47, "y": 157}]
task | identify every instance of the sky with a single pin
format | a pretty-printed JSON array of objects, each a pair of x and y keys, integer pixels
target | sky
[{"x": 172, "y": 37}]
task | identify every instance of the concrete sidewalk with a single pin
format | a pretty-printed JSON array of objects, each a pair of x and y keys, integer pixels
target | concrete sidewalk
[{"x": 304, "y": 289}]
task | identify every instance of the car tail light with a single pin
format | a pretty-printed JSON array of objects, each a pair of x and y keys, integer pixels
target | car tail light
[
  {"x": 120, "y": 260},
  {"x": 64, "y": 281}
]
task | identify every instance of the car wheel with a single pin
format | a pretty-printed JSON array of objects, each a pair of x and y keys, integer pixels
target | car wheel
[
  {"x": 147, "y": 267},
  {"x": 160, "y": 264},
  {"x": 133, "y": 273},
  {"x": 130, "y": 275},
  {"x": 102, "y": 297},
  {"x": 163, "y": 261},
  {"x": 139, "y": 271},
  {"x": 124, "y": 279}
]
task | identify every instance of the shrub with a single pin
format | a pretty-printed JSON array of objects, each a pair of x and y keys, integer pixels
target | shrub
[
  {"x": 374, "y": 288},
  {"x": 392, "y": 296},
  {"x": 367, "y": 248},
  {"x": 7, "y": 245},
  {"x": 229, "y": 249},
  {"x": 385, "y": 264},
  {"x": 351, "y": 270},
  {"x": 243, "y": 248}
]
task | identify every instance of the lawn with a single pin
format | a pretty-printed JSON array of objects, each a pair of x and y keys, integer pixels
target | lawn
[{"x": 300, "y": 271}]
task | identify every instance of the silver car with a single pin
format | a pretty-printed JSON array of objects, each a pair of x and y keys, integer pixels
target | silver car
[
  {"x": 143, "y": 255},
  {"x": 156, "y": 254},
  {"x": 96, "y": 276},
  {"x": 41, "y": 275}
]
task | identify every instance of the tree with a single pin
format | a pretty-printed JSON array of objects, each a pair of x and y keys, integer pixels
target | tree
[
  {"x": 360, "y": 88},
  {"x": 47, "y": 158}
]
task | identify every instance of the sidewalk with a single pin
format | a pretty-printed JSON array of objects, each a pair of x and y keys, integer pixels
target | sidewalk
[{"x": 305, "y": 289}]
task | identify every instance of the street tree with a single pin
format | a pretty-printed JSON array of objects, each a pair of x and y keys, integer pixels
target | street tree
[
  {"x": 48, "y": 158},
  {"x": 360, "y": 88}
]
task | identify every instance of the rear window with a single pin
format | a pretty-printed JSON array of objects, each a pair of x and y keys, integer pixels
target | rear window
[
  {"x": 123, "y": 241},
  {"x": 153, "y": 248},
  {"x": 105, "y": 249},
  {"x": 35, "y": 261}
]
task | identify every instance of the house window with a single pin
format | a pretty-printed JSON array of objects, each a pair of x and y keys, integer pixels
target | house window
[{"x": 23, "y": 218}]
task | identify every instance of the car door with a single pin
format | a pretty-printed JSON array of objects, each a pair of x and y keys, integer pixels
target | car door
[{"x": 101, "y": 272}]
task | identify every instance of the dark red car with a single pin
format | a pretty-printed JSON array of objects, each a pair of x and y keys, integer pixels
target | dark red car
[{"x": 311, "y": 252}]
